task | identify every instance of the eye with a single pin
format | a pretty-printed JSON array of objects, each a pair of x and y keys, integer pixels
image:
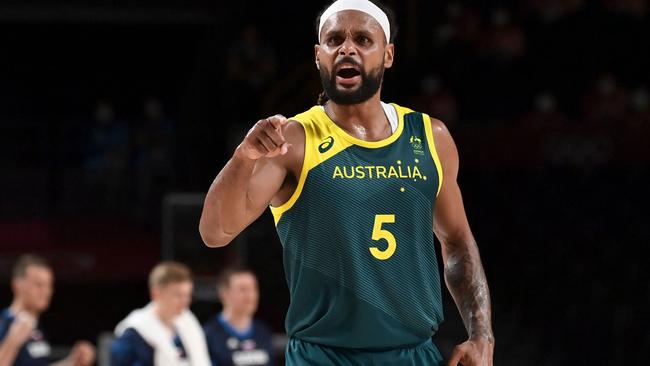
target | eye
[
  {"x": 335, "y": 40},
  {"x": 363, "y": 40}
]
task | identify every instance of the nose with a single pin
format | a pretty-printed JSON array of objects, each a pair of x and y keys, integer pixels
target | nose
[{"x": 347, "y": 48}]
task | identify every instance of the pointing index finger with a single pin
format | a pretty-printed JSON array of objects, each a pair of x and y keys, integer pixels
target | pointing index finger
[{"x": 277, "y": 121}]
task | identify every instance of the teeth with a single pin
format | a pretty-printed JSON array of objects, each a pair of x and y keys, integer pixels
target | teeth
[{"x": 347, "y": 67}]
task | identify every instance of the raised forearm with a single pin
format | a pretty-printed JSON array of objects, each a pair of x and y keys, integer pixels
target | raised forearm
[
  {"x": 467, "y": 283},
  {"x": 226, "y": 204},
  {"x": 246, "y": 184}
]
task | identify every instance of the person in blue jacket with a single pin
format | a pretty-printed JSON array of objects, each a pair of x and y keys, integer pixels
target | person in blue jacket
[
  {"x": 23, "y": 342},
  {"x": 234, "y": 337}
]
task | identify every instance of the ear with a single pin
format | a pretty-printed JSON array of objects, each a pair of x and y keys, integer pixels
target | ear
[
  {"x": 317, "y": 55},
  {"x": 15, "y": 285},
  {"x": 154, "y": 293},
  {"x": 221, "y": 295},
  {"x": 389, "y": 55}
]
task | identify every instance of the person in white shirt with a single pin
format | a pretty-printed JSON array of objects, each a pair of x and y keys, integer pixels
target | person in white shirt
[{"x": 164, "y": 332}]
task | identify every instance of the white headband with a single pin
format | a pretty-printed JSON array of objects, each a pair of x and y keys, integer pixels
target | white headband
[{"x": 361, "y": 5}]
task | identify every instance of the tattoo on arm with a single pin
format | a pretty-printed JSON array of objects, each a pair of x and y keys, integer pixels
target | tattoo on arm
[{"x": 467, "y": 283}]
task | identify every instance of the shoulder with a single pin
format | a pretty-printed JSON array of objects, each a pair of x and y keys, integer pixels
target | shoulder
[
  {"x": 439, "y": 129},
  {"x": 129, "y": 339},
  {"x": 445, "y": 146},
  {"x": 212, "y": 327},
  {"x": 303, "y": 123},
  {"x": 310, "y": 123},
  {"x": 261, "y": 328},
  {"x": 402, "y": 110},
  {"x": 441, "y": 142},
  {"x": 129, "y": 349},
  {"x": 294, "y": 131},
  {"x": 5, "y": 322},
  {"x": 437, "y": 126},
  {"x": 215, "y": 336},
  {"x": 308, "y": 116},
  {"x": 440, "y": 132}
]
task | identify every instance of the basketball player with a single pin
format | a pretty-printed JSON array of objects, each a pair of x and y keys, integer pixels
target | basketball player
[
  {"x": 357, "y": 188},
  {"x": 22, "y": 339}
]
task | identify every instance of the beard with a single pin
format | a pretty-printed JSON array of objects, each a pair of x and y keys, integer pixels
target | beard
[{"x": 370, "y": 83}]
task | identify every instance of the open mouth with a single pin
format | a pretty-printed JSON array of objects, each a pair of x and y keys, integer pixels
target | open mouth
[{"x": 348, "y": 72}]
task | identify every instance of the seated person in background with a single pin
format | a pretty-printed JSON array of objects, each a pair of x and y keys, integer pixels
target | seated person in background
[
  {"x": 22, "y": 340},
  {"x": 165, "y": 332},
  {"x": 234, "y": 337}
]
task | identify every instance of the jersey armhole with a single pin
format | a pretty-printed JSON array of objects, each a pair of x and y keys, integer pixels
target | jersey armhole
[
  {"x": 428, "y": 130},
  {"x": 277, "y": 211}
]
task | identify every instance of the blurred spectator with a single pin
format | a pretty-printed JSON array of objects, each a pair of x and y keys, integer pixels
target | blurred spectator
[
  {"x": 464, "y": 27},
  {"x": 22, "y": 340},
  {"x": 251, "y": 60},
  {"x": 560, "y": 142},
  {"x": 165, "y": 332},
  {"x": 634, "y": 8},
  {"x": 545, "y": 116},
  {"x": 153, "y": 156},
  {"x": 639, "y": 118},
  {"x": 582, "y": 150},
  {"x": 436, "y": 101},
  {"x": 250, "y": 67},
  {"x": 637, "y": 128},
  {"x": 606, "y": 103},
  {"x": 106, "y": 162},
  {"x": 550, "y": 11},
  {"x": 506, "y": 41},
  {"x": 234, "y": 337}
]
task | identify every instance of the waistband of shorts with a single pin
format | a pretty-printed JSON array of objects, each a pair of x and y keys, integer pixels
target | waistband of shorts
[{"x": 423, "y": 344}]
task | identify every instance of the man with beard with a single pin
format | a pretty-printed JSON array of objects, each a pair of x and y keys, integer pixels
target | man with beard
[{"x": 353, "y": 185}]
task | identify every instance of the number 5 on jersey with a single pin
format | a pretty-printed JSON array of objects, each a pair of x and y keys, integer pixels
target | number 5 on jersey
[{"x": 378, "y": 233}]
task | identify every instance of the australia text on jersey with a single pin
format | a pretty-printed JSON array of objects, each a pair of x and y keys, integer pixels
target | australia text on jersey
[{"x": 398, "y": 171}]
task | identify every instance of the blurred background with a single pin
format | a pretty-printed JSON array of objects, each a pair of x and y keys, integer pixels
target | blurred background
[{"x": 115, "y": 119}]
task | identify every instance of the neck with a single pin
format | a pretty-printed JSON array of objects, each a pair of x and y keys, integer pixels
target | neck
[
  {"x": 167, "y": 320},
  {"x": 240, "y": 322},
  {"x": 17, "y": 306},
  {"x": 366, "y": 120}
]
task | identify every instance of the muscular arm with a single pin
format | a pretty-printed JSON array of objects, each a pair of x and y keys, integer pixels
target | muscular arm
[
  {"x": 245, "y": 186},
  {"x": 462, "y": 263}
]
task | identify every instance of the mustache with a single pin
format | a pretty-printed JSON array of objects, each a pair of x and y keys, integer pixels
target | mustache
[{"x": 348, "y": 60}]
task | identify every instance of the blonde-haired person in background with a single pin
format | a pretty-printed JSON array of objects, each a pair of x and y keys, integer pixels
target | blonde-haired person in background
[
  {"x": 22, "y": 340},
  {"x": 165, "y": 332}
]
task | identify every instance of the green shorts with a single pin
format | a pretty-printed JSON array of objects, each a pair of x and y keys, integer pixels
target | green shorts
[{"x": 301, "y": 353}]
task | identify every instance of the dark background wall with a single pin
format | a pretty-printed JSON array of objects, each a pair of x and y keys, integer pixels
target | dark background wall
[{"x": 105, "y": 108}]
